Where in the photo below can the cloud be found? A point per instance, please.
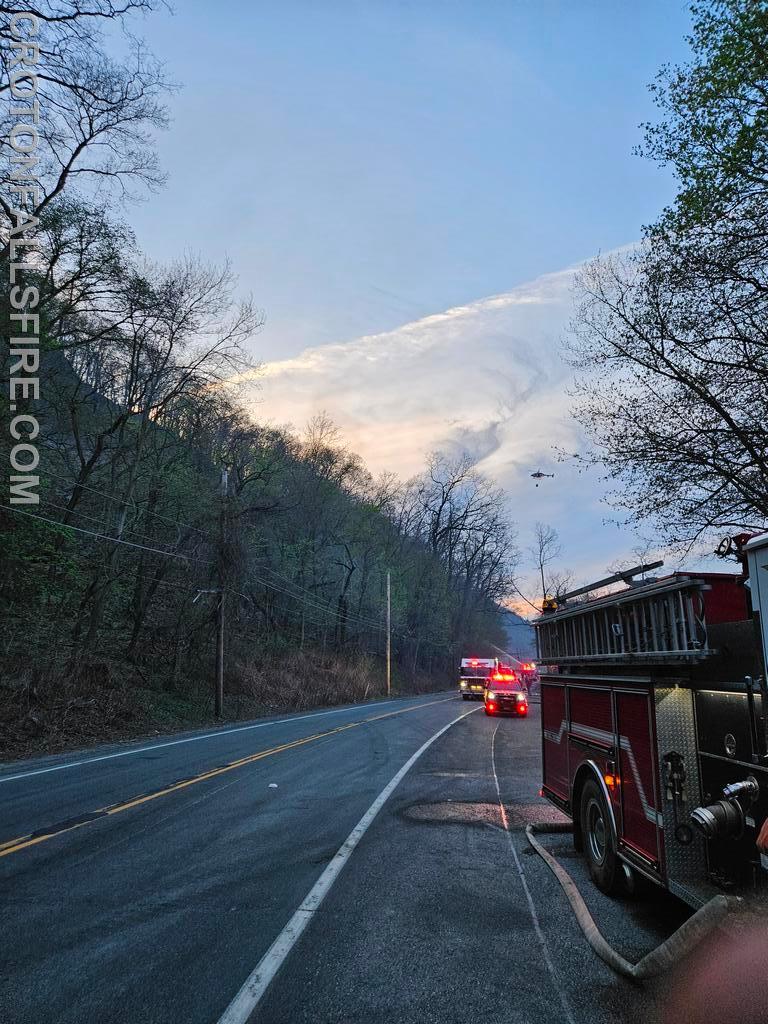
(466, 378)
(487, 378)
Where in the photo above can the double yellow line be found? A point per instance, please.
(33, 839)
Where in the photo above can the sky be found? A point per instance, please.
(405, 188)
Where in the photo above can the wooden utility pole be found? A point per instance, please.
(389, 634)
(219, 692)
(219, 696)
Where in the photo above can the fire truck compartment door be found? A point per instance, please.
(554, 739)
(637, 773)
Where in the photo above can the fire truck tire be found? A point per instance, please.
(599, 840)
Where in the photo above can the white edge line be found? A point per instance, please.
(258, 981)
(531, 905)
(196, 739)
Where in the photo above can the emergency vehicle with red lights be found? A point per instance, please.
(504, 694)
(474, 674)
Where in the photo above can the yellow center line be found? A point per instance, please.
(11, 842)
(24, 842)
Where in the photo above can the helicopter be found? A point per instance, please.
(538, 475)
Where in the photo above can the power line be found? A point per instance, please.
(63, 508)
(102, 536)
(363, 619)
(311, 600)
(318, 606)
(369, 623)
(93, 519)
(175, 554)
(358, 618)
(123, 501)
(313, 597)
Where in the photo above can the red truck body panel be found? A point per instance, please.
(726, 600)
(610, 725)
(554, 743)
(638, 782)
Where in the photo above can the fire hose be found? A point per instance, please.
(669, 953)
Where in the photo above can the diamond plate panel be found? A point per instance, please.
(676, 730)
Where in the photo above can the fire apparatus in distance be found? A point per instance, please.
(474, 676)
(654, 710)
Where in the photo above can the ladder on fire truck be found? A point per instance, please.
(661, 620)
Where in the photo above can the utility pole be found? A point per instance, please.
(219, 692)
(389, 634)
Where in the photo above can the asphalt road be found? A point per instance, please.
(146, 883)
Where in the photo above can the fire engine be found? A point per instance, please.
(474, 675)
(654, 712)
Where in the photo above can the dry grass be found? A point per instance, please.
(305, 679)
(44, 711)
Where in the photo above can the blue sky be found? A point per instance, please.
(367, 165)
(363, 163)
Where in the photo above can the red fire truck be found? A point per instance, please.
(654, 725)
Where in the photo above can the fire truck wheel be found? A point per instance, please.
(599, 840)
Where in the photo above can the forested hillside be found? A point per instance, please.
(112, 583)
(163, 506)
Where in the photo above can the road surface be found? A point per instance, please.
(149, 883)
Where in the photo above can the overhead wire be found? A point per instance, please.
(92, 519)
(123, 501)
(105, 537)
(311, 602)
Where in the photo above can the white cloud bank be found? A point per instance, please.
(488, 378)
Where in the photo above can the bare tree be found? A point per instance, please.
(640, 554)
(96, 116)
(324, 448)
(672, 389)
(545, 551)
(462, 519)
(169, 334)
(671, 341)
